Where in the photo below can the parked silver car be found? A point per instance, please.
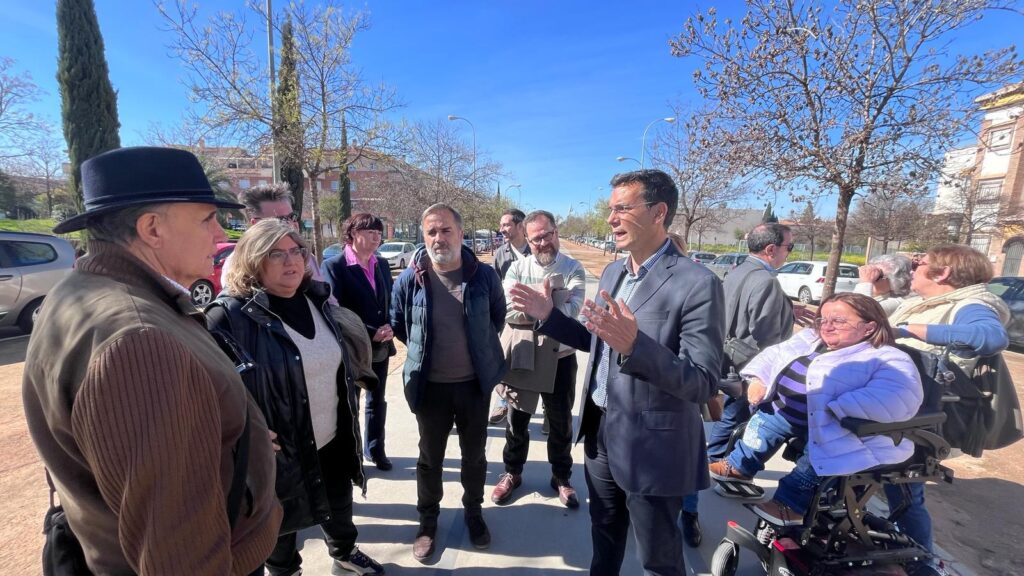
(724, 264)
(30, 264)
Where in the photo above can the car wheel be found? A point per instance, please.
(201, 292)
(27, 319)
(804, 295)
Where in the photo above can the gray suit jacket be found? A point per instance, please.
(756, 309)
(653, 428)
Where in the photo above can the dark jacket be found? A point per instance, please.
(505, 256)
(757, 311)
(352, 290)
(484, 303)
(279, 387)
(653, 430)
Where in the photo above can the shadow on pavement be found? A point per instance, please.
(13, 348)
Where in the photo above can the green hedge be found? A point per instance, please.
(38, 226)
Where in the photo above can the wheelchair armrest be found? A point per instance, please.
(862, 427)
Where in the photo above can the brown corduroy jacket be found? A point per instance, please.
(136, 413)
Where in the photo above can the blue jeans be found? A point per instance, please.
(735, 411)
(690, 502)
(797, 488)
(915, 521)
(764, 435)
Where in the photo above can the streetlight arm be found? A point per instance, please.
(643, 141)
(473, 128)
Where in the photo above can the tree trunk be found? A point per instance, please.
(314, 200)
(838, 235)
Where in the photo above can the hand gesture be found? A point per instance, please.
(615, 324)
(534, 303)
(756, 391)
(869, 273)
(383, 334)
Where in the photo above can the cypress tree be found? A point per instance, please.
(345, 183)
(769, 214)
(88, 101)
(287, 119)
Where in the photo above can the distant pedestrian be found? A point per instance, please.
(448, 308)
(135, 410)
(540, 367)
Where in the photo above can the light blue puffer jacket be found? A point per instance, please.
(879, 384)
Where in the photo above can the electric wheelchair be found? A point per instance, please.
(839, 535)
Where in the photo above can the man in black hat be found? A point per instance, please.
(141, 419)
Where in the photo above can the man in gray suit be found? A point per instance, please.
(758, 314)
(655, 337)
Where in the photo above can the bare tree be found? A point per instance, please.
(704, 168)
(337, 107)
(810, 227)
(17, 123)
(43, 158)
(888, 214)
(970, 206)
(833, 99)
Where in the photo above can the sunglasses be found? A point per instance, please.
(789, 247)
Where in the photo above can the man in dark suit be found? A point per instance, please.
(655, 340)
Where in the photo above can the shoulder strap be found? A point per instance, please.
(241, 472)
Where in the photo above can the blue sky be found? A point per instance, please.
(556, 90)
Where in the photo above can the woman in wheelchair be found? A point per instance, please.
(845, 367)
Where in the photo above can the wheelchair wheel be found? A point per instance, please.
(726, 559)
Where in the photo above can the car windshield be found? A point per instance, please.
(392, 247)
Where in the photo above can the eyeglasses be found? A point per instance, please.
(282, 256)
(789, 247)
(287, 218)
(623, 208)
(837, 323)
(543, 238)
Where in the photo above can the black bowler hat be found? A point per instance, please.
(140, 175)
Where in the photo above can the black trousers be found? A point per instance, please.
(339, 532)
(659, 539)
(376, 414)
(442, 405)
(558, 405)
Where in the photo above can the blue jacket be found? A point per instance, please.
(411, 309)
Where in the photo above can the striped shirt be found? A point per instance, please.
(791, 398)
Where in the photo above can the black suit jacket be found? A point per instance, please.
(654, 431)
(352, 290)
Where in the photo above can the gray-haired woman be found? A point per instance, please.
(885, 278)
(304, 382)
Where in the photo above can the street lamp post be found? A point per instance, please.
(643, 141)
(508, 190)
(454, 117)
(624, 158)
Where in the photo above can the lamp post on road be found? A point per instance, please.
(624, 158)
(454, 117)
(510, 187)
(643, 141)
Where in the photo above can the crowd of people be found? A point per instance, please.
(147, 412)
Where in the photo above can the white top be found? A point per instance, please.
(321, 360)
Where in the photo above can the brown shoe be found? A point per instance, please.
(566, 493)
(507, 482)
(423, 546)
(778, 513)
(722, 470)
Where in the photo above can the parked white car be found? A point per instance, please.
(805, 280)
(398, 254)
(30, 264)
